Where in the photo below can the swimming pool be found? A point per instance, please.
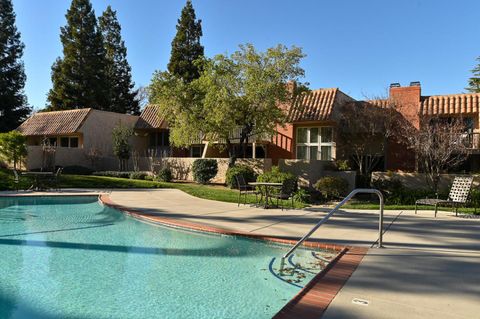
(72, 257)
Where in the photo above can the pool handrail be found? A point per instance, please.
(335, 209)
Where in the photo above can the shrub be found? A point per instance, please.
(276, 176)
(301, 196)
(164, 175)
(118, 174)
(204, 170)
(149, 178)
(342, 165)
(247, 172)
(137, 175)
(396, 194)
(77, 170)
(332, 187)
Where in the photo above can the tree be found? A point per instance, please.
(439, 144)
(474, 81)
(118, 71)
(186, 47)
(13, 147)
(79, 78)
(364, 130)
(121, 144)
(234, 99)
(13, 102)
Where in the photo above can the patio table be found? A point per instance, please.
(267, 186)
(37, 178)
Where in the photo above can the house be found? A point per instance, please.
(419, 109)
(75, 134)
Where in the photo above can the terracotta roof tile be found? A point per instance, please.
(54, 123)
(315, 105)
(151, 118)
(450, 104)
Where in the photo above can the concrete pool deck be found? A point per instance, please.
(430, 267)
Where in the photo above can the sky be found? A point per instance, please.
(358, 46)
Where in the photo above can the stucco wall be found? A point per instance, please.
(182, 167)
(98, 127)
(418, 181)
(309, 172)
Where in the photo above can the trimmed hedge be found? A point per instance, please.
(164, 175)
(138, 175)
(77, 170)
(113, 174)
(204, 170)
(332, 187)
(247, 172)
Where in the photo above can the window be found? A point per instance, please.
(315, 143)
(159, 139)
(196, 150)
(69, 142)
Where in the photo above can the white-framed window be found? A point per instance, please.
(315, 143)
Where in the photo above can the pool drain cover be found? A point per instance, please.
(361, 302)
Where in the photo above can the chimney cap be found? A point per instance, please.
(415, 83)
(395, 85)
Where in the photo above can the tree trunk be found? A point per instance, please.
(232, 156)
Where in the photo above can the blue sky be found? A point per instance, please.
(359, 46)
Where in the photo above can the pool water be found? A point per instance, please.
(72, 257)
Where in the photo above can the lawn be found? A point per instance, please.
(212, 192)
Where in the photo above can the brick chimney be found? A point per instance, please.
(407, 101)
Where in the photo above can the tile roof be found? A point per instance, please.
(54, 123)
(450, 104)
(314, 105)
(151, 118)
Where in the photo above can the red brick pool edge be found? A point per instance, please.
(315, 297)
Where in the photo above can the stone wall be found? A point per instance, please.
(309, 172)
(418, 180)
(182, 167)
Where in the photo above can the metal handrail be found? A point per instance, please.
(346, 199)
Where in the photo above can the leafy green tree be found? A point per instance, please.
(79, 78)
(186, 47)
(118, 71)
(121, 144)
(242, 93)
(13, 102)
(13, 147)
(474, 81)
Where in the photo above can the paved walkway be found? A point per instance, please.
(429, 268)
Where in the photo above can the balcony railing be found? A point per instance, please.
(471, 140)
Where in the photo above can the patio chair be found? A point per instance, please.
(245, 189)
(289, 187)
(54, 181)
(459, 195)
(16, 179)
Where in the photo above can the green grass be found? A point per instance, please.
(219, 193)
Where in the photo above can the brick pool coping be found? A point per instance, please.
(315, 297)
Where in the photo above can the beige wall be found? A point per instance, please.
(98, 127)
(309, 172)
(418, 181)
(181, 167)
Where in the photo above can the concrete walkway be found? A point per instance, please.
(429, 268)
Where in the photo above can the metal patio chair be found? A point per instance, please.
(245, 189)
(289, 188)
(459, 195)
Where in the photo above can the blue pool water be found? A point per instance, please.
(72, 257)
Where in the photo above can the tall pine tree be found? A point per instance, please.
(186, 47)
(79, 78)
(13, 102)
(474, 81)
(118, 71)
